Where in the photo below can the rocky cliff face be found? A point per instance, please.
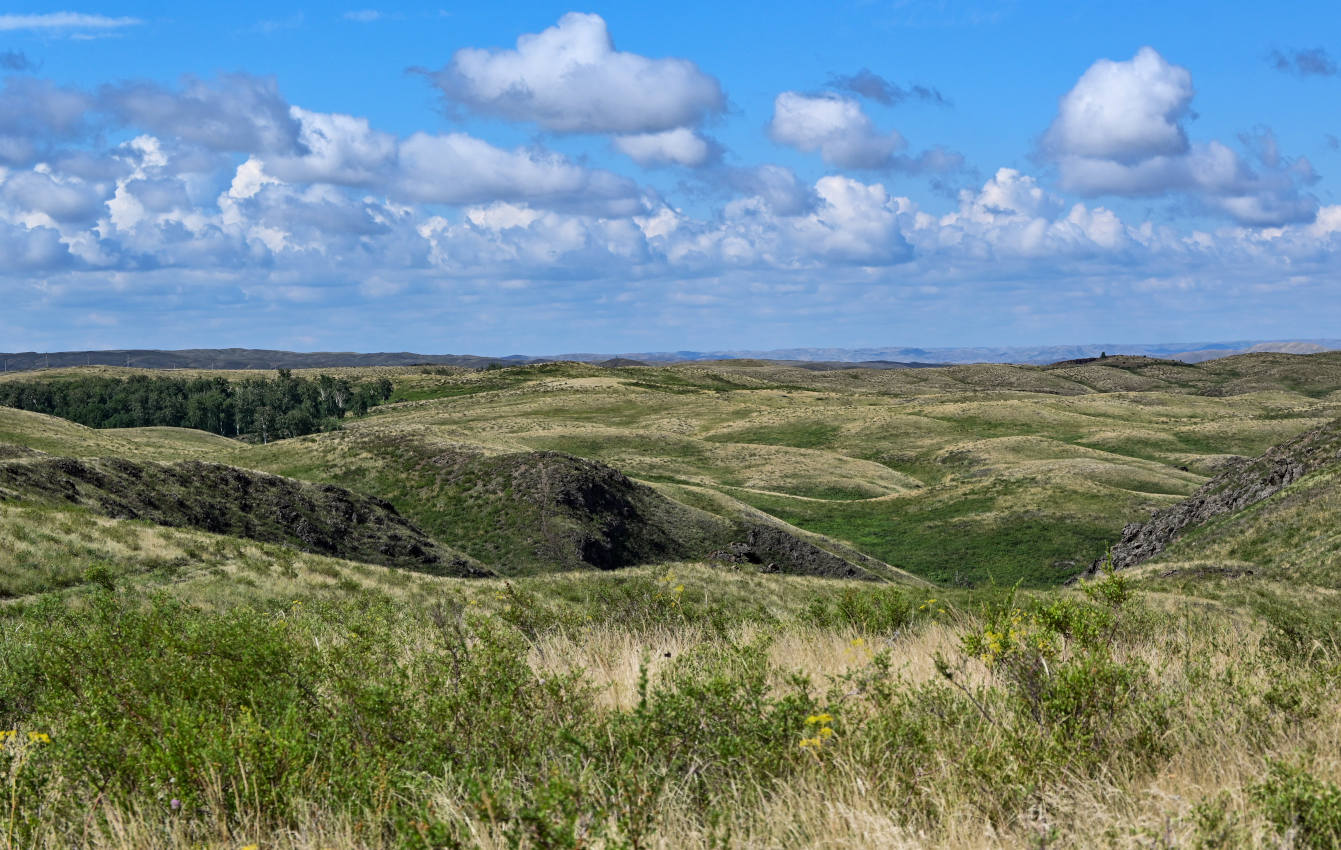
(1242, 484)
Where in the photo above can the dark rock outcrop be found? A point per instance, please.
(1238, 486)
(541, 511)
(608, 520)
(775, 550)
(212, 497)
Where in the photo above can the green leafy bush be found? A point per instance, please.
(1300, 805)
(879, 610)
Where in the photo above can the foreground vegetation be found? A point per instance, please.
(661, 709)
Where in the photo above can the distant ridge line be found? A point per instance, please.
(810, 358)
(241, 358)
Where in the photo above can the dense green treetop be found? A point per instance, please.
(268, 409)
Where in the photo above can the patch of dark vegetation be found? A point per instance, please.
(258, 408)
(9, 451)
(1239, 486)
(220, 499)
(1206, 572)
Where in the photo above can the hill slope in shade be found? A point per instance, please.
(221, 499)
(536, 511)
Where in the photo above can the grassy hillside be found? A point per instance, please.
(1030, 483)
(241, 503)
(1029, 471)
(1264, 547)
(60, 437)
(1292, 536)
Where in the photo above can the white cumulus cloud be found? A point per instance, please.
(571, 79)
(1124, 111)
(1120, 131)
(681, 146)
(833, 126)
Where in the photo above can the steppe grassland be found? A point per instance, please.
(892, 462)
(1030, 471)
(1162, 732)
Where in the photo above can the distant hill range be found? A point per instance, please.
(244, 358)
(808, 358)
(1189, 352)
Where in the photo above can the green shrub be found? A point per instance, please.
(248, 711)
(1217, 828)
(1299, 804)
(879, 610)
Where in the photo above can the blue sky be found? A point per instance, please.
(622, 177)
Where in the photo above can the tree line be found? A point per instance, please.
(258, 408)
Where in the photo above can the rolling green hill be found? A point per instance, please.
(958, 474)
